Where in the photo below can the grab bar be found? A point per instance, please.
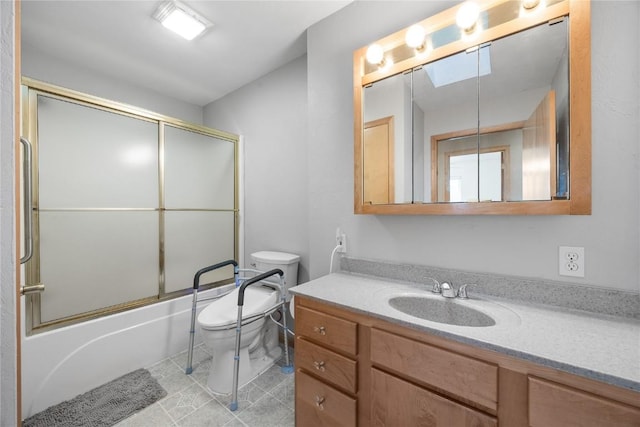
(236, 359)
(196, 286)
(196, 278)
(27, 206)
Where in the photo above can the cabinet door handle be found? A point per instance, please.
(320, 402)
(319, 365)
(320, 329)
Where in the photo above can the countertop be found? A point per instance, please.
(601, 347)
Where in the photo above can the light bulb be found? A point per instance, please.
(468, 15)
(530, 4)
(375, 54)
(415, 37)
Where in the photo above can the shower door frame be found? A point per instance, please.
(30, 90)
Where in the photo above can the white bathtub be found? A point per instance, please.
(58, 365)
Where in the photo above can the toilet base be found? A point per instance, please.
(220, 379)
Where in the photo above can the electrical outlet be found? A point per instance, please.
(571, 261)
(341, 241)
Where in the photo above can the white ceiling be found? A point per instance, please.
(121, 39)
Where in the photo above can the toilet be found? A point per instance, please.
(259, 346)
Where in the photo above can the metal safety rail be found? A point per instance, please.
(196, 286)
(288, 368)
(238, 281)
(242, 283)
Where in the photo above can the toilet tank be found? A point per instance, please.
(288, 263)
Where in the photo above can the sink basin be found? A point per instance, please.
(441, 310)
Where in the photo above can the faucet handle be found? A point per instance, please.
(462, 292)
(436, 286)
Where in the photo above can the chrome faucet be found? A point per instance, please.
(448, 290)
(462, 292)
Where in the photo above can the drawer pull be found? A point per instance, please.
(320, 402)
(319, 365)
(320, 329)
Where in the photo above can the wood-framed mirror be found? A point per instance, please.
(494, 119)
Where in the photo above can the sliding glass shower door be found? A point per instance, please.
(127, 207)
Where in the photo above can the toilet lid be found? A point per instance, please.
(224, 311)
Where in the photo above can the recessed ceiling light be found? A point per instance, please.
(181, 19)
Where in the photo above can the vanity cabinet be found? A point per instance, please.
(326, 369)
(357, 370)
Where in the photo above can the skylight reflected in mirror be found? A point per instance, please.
(459, 67)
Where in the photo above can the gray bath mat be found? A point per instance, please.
(102, 406)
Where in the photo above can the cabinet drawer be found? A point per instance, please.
(330, 331)
(395, 402)
(319, 404)
(331, 367)
(555, 405)
(461, 376)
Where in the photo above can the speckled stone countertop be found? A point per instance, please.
(601, 347)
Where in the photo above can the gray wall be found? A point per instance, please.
(524, 246)
(271, 115)
(38, 65)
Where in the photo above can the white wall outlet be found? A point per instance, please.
(341, 241)
(571, 261)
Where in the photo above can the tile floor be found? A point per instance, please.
(266, 401)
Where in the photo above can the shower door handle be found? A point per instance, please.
(31, 289)
(27, 206)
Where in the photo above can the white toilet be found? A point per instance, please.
(259, 346)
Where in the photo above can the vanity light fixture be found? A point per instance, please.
(416, 37)
(467, 16)
(181, 19)
(375, 55)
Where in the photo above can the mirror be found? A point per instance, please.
(481, 128)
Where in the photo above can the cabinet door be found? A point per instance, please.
(554, 405)
(462, 377)
(395, 402)
(320, 405)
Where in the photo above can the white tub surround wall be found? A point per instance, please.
(63, 363)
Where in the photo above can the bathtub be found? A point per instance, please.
(61, 364)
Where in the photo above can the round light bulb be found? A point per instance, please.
(375, 54)
(468, 15)
(530, 4)
(415, 37)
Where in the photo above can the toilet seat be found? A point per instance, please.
(219, 315)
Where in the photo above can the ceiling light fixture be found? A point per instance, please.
(181, 19)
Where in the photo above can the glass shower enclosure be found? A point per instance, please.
(127, 205)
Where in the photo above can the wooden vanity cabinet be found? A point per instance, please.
(357, 370)
(326, 369)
